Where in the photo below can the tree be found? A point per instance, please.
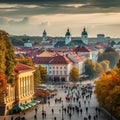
(89, 68)
(43, 74)
(7, 57)
(107, 90)
(74, 74)
(37, 77)
(111, 55)
(105, 65)
(3, 87)
(118, 64)
(98, 69)
(26, 61)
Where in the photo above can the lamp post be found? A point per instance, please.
(62, 111)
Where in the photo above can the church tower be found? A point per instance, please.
(67, 37)
(84, 36)
(44, 36)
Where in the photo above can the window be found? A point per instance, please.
(56, 67)
(65, 72)
(53, 72)
(60, 72)
(60, 67)
(49, 72)
(64, 67)
(53, 67)
(49, 67)
(57, 72)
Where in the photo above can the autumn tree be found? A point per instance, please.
(7, 57)
(74, 74)
(37, 77)
(26, 61)
(43, 74)
(107, 90)
(105, 65)
(3, 86)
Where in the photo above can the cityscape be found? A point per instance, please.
(59, 60)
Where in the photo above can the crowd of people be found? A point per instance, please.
(77, 100)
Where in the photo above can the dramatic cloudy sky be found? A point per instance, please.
(31, 18)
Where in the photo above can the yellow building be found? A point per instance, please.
(22, 92)
(24, 85)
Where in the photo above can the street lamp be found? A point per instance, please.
(62, 111)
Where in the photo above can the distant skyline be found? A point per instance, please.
(55, 16)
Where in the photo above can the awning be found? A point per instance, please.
(21, 107)
(18, 108)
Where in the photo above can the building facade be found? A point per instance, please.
(20, 93)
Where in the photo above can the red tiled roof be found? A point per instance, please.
(52, 60)
(60, 60)
(81, 49)
(21, 67)
(42, 60)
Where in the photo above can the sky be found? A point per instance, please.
(19, 17)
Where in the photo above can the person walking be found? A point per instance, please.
(35, 117)
(52, 111)
(89, 117)
(11, 117)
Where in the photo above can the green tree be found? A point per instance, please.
(43, 74)
(74, 74)
(111, 55)
(90, 68)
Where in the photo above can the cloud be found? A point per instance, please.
(3, 21)
(18, 22)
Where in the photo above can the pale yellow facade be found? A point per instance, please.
(24, 87)
(22, 92)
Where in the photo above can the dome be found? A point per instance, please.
(84, 32)
(44, 33)
(67, 33)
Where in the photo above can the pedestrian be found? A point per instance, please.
(94, 117)
(70, 115)
(84, 102)
(48, 102)
(55, 118)
(36, 110)
(96, 109)
(35, 117)
(99, 110)
(11, 117)
(89, 117)
(52, 111)
(86, 109)
(81, 111)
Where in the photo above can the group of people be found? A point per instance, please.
(78, 102)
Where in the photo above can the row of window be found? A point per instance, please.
(57, 67)
(58, 72)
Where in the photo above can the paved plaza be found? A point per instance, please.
(90, 103)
